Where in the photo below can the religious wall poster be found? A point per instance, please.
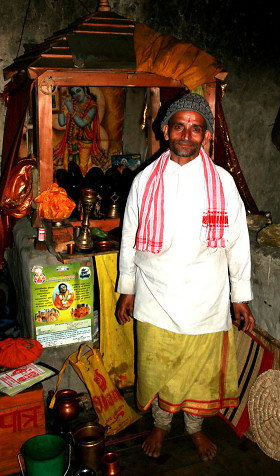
(62, 303)
(87, 126)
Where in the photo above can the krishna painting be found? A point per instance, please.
(87, 129)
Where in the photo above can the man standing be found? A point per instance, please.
(184, 254)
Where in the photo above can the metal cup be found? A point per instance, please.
(111, 464)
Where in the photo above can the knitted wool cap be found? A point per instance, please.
(191, 102)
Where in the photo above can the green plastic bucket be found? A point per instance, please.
(44, 456)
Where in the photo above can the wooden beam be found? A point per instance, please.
(45, 140)
(153, 101)
(210, 95)
(77, 77)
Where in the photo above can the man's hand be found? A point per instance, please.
(125, 308)
(242, 313)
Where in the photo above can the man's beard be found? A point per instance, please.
(182, 151)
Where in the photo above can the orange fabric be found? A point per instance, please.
(172, 58)
(17, 352)
(16, 200)
(54, 203)
(18, 194)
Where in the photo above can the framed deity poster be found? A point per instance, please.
(87, 126)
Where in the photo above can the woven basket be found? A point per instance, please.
(264, 412)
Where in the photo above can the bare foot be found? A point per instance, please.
(206, 448)
(153, 443)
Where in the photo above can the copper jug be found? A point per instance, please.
(66, 405)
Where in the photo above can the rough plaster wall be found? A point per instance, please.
(265, 283)
(251, 103)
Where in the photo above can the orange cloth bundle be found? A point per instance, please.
(55, 203)
(17, 352)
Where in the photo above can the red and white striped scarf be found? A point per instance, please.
(151, 220)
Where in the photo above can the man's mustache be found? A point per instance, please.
(183, 142)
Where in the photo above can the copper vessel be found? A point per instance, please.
(66, 405)
(110, 464)
(89, 440)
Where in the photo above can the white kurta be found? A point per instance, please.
(186, 287)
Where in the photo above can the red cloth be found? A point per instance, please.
(151, 221)
(215, 218)
(19, 96)
(17, 352)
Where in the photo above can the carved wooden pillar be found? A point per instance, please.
(153, 101)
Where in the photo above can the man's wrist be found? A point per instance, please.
(240, 302)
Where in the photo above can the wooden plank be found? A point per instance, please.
(210, 95)
(21, 417)
(105, 224)
(72, 77)
(153, 100)
(45, 140)
(66, 258)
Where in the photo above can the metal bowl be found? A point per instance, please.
(104, 245)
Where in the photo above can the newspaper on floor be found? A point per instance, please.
(16, 380)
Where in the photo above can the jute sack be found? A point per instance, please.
(111, 408)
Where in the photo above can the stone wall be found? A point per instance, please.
(265, 283)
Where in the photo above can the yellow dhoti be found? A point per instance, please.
(193, 373)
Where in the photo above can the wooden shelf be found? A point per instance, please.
(66, 258)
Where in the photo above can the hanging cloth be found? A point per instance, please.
(116, 341)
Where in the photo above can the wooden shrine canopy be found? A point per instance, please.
(106, 42)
